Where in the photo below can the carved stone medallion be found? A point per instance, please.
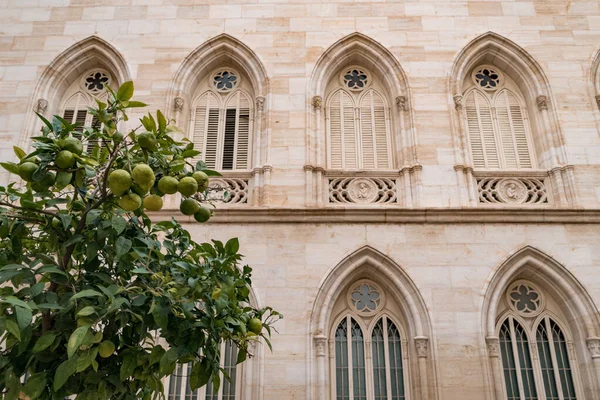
(512, 191)
(362, 191)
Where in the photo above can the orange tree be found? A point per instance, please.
(96, 300)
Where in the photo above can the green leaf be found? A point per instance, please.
(10, 167)
(232, 246)
(128, 366)
(35, 385)
(133, 104)
(44, 342)
(85, 311)
(19, 152)
(118, 223)
(125, 92)
(86, 293)
(92, 216)
(241, 357)
(24, 317)
(200, 374)
(63, 372)
(15, 302)
(123, 245)
(13, 328)
(162, 121)
(167, 361)
(190, 153)
(44, 120)
(159, 312)
(76, 340)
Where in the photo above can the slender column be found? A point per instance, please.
(319, 186)
(463, 152)
(593, 345)
(320, 352)
(416, 186)
(556, 175)
(267, 169)
(308, 187)
(421, 345)
(471, 186)
(493, 348)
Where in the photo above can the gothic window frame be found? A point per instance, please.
(181, 390)
(500, 143)
(224, 97)
(530, 325)
(367, 323)
(338, 88)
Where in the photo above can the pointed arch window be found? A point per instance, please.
(535, 357)
(179, 384)
(498, 129)
(222, 123)
(358, 126)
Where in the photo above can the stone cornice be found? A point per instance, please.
(380, 214)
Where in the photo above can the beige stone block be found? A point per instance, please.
(258, 11)
(161, 12)
(79, 28)
(405, 24)
(522, 8)
(306, 24)
(504, 25)
(137, 27)
(291, 10)
(551, 7)
(538, 23)
(372, 24)
(58, 43)
(340, 24)
(419, 9)
(225, 11)
(557, 37)
(37, 14)
(273, 25)
(438, 23)
(29, 43)
(457, 8)
(354, 10)
(321, 10)
(98, 13)
(240, 25)
(485, 8)
(131, 12)
(16, 29)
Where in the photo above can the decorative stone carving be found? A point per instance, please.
(493, 346)
(355, 79)
(362, 190)
(421, 346)
(542, 102)
(593, 345)
(365, 298)
(458, 102)
(525, 298)
(260, 103)
(598, 100)
(488, 78)
(320, 344)
(42, 106)
(402, 103)
(228, 190)
(96, 81)
(178, 104)
(512, 190)
(317, 101)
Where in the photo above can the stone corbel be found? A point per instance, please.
(421, 345)
(542, 102)
(42, 106)
(317, 102)
(260, 103)
(178, 104)
(402, 103)
(598, 100)
(493, 346)
(458, 102)
(593, 345)
(320, 345)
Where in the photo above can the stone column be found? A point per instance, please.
(464, 151)
(320, 352)
(493, 349)
(593, 345)
(421, 345)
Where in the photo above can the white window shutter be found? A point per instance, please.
(334, 111)
(75, 110)
(237, 132)
(484, 148)
(206, 128)
(511, 129)
(349, 136)
(374, 132)
(342, 132)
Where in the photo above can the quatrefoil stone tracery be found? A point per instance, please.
(487, 78)
(365, 298)
(525, 299)
(96, 81)
(355, 79)
(225, 80)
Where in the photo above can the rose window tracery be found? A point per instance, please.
(355, 79)
(525, 299)
(365, 298)
(225, 80)
(487, 78)
(96, 81)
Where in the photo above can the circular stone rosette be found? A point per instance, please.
(525, 298)
(512, 191)
(365, 298)
(362, 190)
(488, 78)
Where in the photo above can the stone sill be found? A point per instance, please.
(383, 214)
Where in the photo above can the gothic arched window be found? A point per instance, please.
(178, 386)
(498, 129)
(534, 349)
(358, 126)
(221, 121)
(368, 349)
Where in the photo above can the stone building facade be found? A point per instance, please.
(415, 183)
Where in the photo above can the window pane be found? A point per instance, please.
(341, 361)
(395, 355)
(175, 383)
(543, 345)
(525, 362)
(230, 368)
(379, 382)
(508, 362)
(229, 139)
(358, 362)
(562, 361)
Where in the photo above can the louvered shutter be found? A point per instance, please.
(374, 132)
(342, 132)
(484, 149)
(237, 132)
(206, 128)
(511, 129)
(75, 110)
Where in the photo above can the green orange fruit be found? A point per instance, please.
(189, 207)
(187, 186)
(119, 181)
(202, 180)
(143, 176)
(202, 215)
(64, 159)
(168, 185)
(147, 140)
(26, 171)
(106, 349)
(153, 203)
(130, 202)
(72, 144)
(255, 325)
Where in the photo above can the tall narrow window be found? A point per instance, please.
(221, 123)
(358, 128)
(516, 361)
(497, 127)
(179, 386)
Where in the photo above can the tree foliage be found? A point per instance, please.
(101, 302)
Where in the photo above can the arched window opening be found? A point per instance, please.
(221, 123)
(498, 129)
(179, 384)
(358, 126)
(534, 350)
(368, 349)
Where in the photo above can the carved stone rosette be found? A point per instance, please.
(512, 190)
(493, 346)
(421, 344)
(593, 345)
(362, 190)
(320, 345)
(178, 104)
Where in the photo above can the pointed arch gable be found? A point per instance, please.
(537, 266)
